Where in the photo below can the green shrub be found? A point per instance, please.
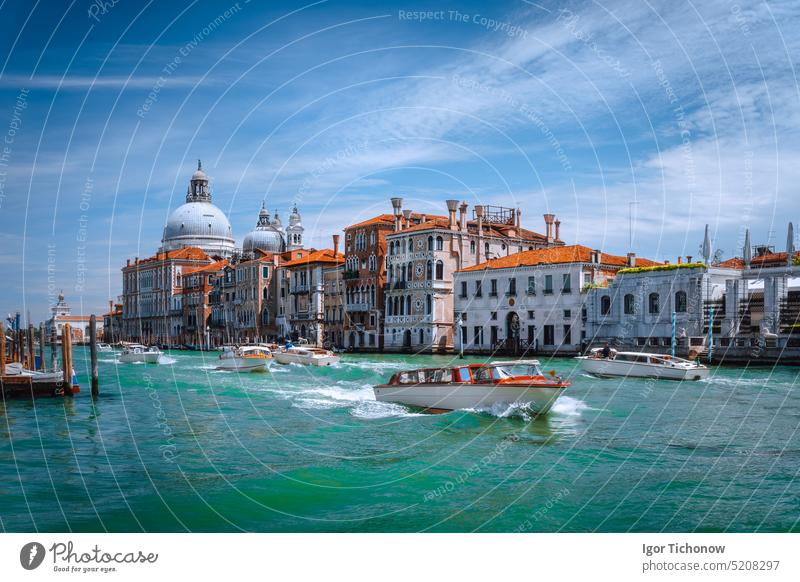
(670, 267)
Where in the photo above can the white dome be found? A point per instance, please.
(266, 235)
(199, 224)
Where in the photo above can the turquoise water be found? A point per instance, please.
(185, 447)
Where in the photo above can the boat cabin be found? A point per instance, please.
(492, 373)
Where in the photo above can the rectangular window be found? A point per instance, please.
(494, 315)
(462, 374)
(567, 314)
(531, 335)
(566, 283)
(567, 334)
(477, 337)
(478, 290)
(549, 335)
(587, 278)
(531, 314)
(512, 287)
(548, 284)
(494, 334)
(265, 271)
(531, 285)
(493, 288)
(463, 290)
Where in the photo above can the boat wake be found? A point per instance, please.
(568, 406)
(358, 399)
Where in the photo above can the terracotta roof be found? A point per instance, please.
(381, 218)
(759, 261)
(188, 253)
(73, 317)
(733, 263)
(215, 266)
(554, 255)
(321, 256)
(490, 229)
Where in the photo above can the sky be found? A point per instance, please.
(636, 123)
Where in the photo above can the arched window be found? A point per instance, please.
(652, 303)
(630, 304)
(430, 243)
(409, 268)
(680, 302)
(439, 243)
(428, 304)
(472, 246)
(429, 270)
(439, 270)
(605, 305)
(388, 306)
(391, 273)
(402, 307)
(408, 304)
(486, 249)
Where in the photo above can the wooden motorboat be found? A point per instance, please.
(245, 359)
(306, 355)
(133, 353)
(478, 386)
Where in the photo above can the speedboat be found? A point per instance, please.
(518, 382)
(641, 365)
(104, 348)
(306, 355)
(245, 359)
(133, 353)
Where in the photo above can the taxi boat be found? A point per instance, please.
(641, 365)
(245, 359)
(306, 355)
(134, 353)
(518, 382)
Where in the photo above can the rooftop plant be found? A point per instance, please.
(670, 267)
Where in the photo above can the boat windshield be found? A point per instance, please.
(521, 369)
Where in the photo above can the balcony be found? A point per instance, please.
(350, 275)
(299, 288)
(357, 307)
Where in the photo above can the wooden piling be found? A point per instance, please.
(31, 351)
(42, 365)
(93, 354)
(66, 358)
(21, 346)
(2, 350)
(53, 344)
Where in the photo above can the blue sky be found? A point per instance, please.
(690, 110)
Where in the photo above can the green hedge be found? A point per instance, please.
(670, 267)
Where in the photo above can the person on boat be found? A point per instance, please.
(289, 344)
(606, 352)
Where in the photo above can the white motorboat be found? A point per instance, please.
(133, 353)
(641, 365)
(104, 348)
(306, 355)
(16, 369)
(475, 386)
(245, 359)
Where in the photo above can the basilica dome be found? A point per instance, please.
(267, 235)
(198, 222)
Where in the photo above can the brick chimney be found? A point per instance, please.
(548, 221)
(335, 245)
(407, 217)
(479, 215)
(680, 260)
(397, 208)
(452, 206)
(631, 259)
(462, 217)
(558, 230)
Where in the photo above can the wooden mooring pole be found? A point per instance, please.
(53, 344)
(31, 351)
(93, 353)
(2, 350)
(66, 358)
(41, 347)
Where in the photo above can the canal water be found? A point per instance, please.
(183, 447)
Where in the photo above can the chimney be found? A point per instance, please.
(128, 263)
(407, 216)
(688, 258)
(462, 219)
(423, 218)
(519, 221)
(558, 230)
(452, 206)
(631, 259)
(548, 221)
(666, 262)
(680, 260)
(479, 249)
(597, 256)
(397, 207)
(335, 245)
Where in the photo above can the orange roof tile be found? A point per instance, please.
(321, 256)
(555, 255)
(381, 218)
(215, 266)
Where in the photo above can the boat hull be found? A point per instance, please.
(458, 396)
(245, 365)
(288, 358)
(147, 358)
(623, 369)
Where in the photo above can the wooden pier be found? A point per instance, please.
(21, 351)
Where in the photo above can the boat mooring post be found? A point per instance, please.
(2, 350)
(53, 343)
(66, 358)
(41, 346)
(93, 353)
(31, 351)
(711, 334)
(674, 340)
